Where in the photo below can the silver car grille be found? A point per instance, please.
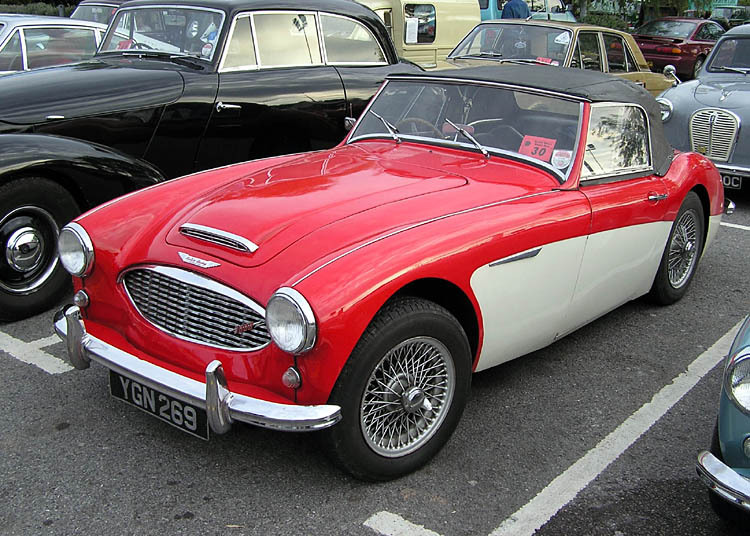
(195, 308)
(713, 132)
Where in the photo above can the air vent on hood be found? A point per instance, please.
(219, 237)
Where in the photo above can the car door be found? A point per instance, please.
(621, 62)
(628, 231)
(11, 54)
(587, 52)
(275, 94)
(705, 37)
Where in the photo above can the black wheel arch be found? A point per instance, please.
(92, 173)
(702, 194)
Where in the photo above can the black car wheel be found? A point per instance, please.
(682, 253)
(401, 392)
(32, 211)
(723, 508)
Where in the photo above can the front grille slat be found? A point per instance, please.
(713, 132)
(189, 311)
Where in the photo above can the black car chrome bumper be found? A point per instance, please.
(723, 481)
(222, 406)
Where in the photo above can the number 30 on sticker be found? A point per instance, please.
(537, 147)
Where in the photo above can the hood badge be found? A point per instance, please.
(195, 261)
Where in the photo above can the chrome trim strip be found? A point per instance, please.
(414, 226)
(204, 233)
(732, 147)
(723, 480)
(222, 405)
(517, 257)
(729, 168)
(301, 303)
(192, 278)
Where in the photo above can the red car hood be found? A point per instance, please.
(279, 206)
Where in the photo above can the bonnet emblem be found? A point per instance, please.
(196, 261)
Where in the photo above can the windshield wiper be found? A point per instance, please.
(187, 60)
(468, 136)
(486, 54)
(741, 70)
(391, 129)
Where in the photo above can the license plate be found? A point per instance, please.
(182, 415)
(733, 182)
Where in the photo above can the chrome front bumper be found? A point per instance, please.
(723, 481)
(222, 406)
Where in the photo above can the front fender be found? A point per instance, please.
(92, 173)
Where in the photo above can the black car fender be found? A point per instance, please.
(92, 173)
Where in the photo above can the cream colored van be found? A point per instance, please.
(425, 31)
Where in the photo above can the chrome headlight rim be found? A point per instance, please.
(740, 357)
(87, 249)
(306, 317)
(665, 108)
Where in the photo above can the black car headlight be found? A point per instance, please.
(737, 379)
(76, 250)
(666, 108)
(290, 321)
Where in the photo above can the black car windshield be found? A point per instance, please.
(173, 30)
(731, 55)
(667, 28)
(515, 42)
(480, 118)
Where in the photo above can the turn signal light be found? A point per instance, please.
(669, 50)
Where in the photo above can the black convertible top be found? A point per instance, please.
(586, 85)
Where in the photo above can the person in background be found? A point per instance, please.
(515, 9)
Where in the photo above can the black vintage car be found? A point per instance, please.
(174, 88)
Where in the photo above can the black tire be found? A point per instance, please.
(32, 211)
(681, 254)
(418, 333)
(724, 509)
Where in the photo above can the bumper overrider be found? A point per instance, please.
(222, 406)
(723, 481)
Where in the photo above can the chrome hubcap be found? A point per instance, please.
(24, 249)
(407, 396)
(683, 250)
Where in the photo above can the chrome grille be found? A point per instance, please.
(197, 309)
(713, 132)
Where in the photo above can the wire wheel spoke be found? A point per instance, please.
(683, 250)
(407, 396)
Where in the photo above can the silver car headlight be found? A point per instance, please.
(290, 321)
(76, 250)
(737, 379)
(665, 107)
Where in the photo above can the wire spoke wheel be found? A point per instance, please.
(407, 396)
(683, 250)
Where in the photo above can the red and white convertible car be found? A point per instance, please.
(469, 218)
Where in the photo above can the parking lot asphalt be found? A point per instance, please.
(556, 442)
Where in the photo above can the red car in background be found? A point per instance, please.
(680, 41)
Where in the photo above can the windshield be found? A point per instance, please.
(94, 13)
(499, 120)
(515, 41)
(730, 55)
(722, 12)
(667, 28)
(174, 30)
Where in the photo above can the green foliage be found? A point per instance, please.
(743, 2)
(34, 7)
(607, 20)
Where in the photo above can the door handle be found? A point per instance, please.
(220, 106)
(656, 197)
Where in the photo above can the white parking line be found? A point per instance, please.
(736, 226)
(563, 489)
(31, 353)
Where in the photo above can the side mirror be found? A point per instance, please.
(349, 123)
(671, 72)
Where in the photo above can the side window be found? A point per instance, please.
(419, 23)
(703, 34)
(619, 57)
(240, 52)
(616, 143)
(54, 46)
(715, 31)
(287, 39)
(11, 58)
(347, 41)
(484, 4)
(590, 55)
(536, 6)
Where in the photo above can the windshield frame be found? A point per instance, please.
(559, 175)
(112, 30)
(710, 65)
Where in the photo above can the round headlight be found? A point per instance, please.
(291, 321)
(738, 380)
(76, 250)
(665, 107)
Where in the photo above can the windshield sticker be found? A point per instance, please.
(563, 38)
(548, 61)
(520, 44)
(537, 147)
(561, 159)
(206, 50)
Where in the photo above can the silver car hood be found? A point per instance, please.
(729, 94)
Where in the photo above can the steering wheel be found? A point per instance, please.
(417, 122)
(504, 136)
(141, 46)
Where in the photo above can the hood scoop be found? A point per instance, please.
(218, 237)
